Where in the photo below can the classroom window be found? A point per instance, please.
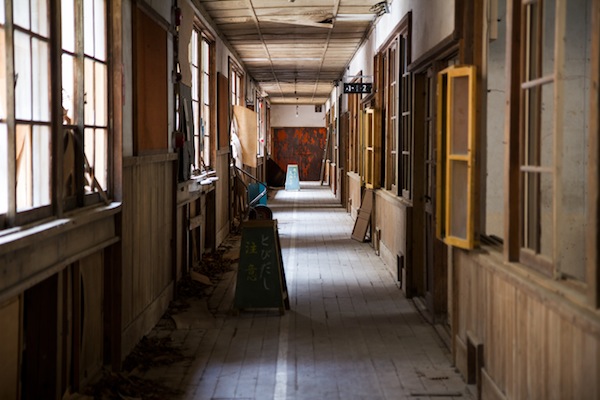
(390, 113)
(456, 156)
(372, 150)
(554, 134)
(85, 96)
(202, 66)
(236, 81)
(406, 133)
(27, 140)
(25, 135)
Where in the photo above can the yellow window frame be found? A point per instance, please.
(372, 148)
(455, 220)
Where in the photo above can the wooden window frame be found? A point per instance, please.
(236, 84)
(58, 127)
(396, 108)
(405, 127)
(205, 142)
(518, 83)
(447, 159)
(529, 76)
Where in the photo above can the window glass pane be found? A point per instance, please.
(23, 76)
(576, 91)
(546, 207)
(196, 135)
(193, 48)
(205, 89)
(460, 116)
(21, 13)
(206, 134)
(546, 145)
(89, 96)
(100, 30)
(68, 89)
(41, 81)
(2, 15)
(41, 165)
(195, 84)
(68, 25)
(3, 169)
(95, 149)
(2, 76)
(88, 149)
(101, 157)
(196, 113)
(101, 100)
(24, 173)
(39, 17)
(459, 212)
(548, 37)
(205, 56)
(88, 27)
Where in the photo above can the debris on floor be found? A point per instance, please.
(151, 352)
(128, 387)
(158, 349)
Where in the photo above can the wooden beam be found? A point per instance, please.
(512, 130)
(116, 98)
(593, 244)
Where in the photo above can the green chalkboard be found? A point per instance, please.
(261, 278)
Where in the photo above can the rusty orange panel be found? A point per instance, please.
(302, 146)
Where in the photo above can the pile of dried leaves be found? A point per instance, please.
(199, 282)
(158, 351)
(152, 352)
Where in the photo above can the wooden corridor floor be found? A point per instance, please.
(350, 333)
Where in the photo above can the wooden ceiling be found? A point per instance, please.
(294, 49)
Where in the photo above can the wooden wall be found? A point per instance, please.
(148, 227)
(9, 348)
(536, 343)
(354, 194)
(222, 197)
(389, 227)
(92, 328)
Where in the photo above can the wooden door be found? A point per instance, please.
(434, 272)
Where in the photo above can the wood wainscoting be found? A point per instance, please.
(149, 190)
(538, 340)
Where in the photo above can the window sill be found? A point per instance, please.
(540, 286)
(16, 238)
(393, 197)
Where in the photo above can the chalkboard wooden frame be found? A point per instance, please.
(260, 279)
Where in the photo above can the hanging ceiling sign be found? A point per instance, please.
(358, 87)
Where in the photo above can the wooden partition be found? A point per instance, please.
(148, 228)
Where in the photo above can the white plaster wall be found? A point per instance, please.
(128, 80)
(496, 143)
(162, 7)
(573, 218)
(432, 21)
(285, 116)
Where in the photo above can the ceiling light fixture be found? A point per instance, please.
(354, 17)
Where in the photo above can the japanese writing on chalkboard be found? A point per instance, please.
(262, 272)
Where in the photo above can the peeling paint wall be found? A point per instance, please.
(302, 146)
